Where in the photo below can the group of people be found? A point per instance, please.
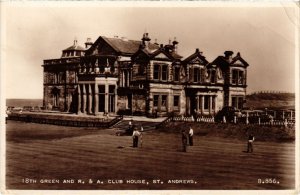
(187, 138)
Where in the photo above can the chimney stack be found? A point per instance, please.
(75, 42)
(88, 43)
(175, 43)
(228, 55)
(146, 40)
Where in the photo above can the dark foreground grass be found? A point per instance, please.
(81, 154)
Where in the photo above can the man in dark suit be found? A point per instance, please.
(184, 140)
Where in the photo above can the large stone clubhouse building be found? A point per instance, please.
(121, 76)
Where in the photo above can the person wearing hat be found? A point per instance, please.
(135, 137)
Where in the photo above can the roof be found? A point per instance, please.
(152, 53)
(127, 46)
(75, 47)
(223, 60)
(195, 55)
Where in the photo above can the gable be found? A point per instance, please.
(140, 55)
(101, 47)
(104, 49)
(197, 60)
(160, 55)
(239, 63)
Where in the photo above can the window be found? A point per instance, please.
(234, 76)
(101, 97)
(237, 102)
(111, 98)
(240, 102)
(141, 69)
(163, 100)
(212, 76)
(111, 89)
(176, 101)
(196, 74)
(101, 88)
(241, 77)
(156, 72)
(206, 102)
(155, 100)
(164, 73)
(234, 102)
(237, 77)
(160, 72)
(176, 73)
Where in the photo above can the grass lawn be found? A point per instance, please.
(43, 156)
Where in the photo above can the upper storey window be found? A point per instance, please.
(213, 76)
(176, 73)
(160, 72)
(156, 72)
(196, 76)
(164, 72)
(238, 77)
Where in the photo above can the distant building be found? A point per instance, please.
(117, 75)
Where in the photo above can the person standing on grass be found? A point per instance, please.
(135, 137)
(191, 134)
(184, 140)
(130, 124)
(250, 143)
(141, 136)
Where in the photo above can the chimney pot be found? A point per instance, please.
(228, 53)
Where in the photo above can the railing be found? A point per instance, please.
(65, 120)
(241, 120)
(115, 120)
(164, 122)
(207, 119)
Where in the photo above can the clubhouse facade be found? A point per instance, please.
(139, 77)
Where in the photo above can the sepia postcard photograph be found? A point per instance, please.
(149, 97)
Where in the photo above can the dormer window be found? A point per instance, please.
(160, 72)
(213, 76)
(196, 75)
(156, 72)
(237, 77)
(164, 72)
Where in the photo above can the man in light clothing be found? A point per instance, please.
(191, 133)
(135, 137)
(250, 143)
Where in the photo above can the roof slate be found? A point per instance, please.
(126, 46)
(74, 47)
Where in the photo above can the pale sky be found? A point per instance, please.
(265, 37)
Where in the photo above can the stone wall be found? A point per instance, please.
(138, 104)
